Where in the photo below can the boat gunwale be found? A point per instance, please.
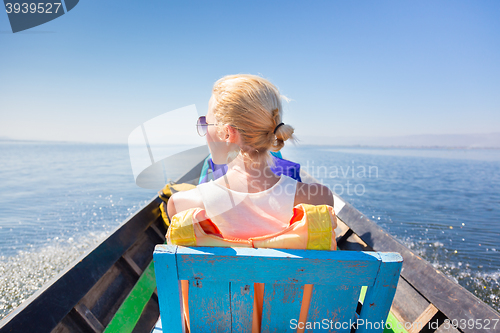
(48, 306)
(459, 302)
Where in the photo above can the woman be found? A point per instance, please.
(243, 124)
(250, 205)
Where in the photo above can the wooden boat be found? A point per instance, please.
(107, 289)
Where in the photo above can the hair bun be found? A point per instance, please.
(276, 128)
(282, 133)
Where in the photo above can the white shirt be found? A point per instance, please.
(245, 215)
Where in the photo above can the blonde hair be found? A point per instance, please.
(252, 105)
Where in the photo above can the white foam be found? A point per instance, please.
(23, 274)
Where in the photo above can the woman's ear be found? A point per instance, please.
(231, 135)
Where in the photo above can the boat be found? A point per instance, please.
(110, 288)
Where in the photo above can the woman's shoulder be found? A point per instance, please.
(184, 200)
(313, 194)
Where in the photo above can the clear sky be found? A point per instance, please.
(352, 68)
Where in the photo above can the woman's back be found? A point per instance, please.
(245, 215)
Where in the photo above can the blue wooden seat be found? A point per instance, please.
(221, 288)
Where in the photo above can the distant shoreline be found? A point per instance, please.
(399, 147)
(4, 140)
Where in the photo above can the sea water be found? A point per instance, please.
(444, 204)
(59, 200)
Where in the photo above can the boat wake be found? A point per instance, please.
(25, 273)
(482, 282)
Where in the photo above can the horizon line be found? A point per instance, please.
(289, 145)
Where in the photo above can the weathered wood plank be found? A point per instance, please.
(91, 298)
(453, 300)
(281, 305)
(423, 319)
(131, 263)
(246, 265)
(242, 295)
(71, 323)
(88, 317)
(448, 328)
(320, 308)
(142, 250)
(209, 306)
(158, 232)
(111, 299)
(61, 328)
(408, 304)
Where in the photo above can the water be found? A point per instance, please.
(444, 204)
(58, 201)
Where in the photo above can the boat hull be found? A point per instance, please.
(88, 294)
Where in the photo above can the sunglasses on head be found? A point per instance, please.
(201, 125)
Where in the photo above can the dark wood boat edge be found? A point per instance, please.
(47, 304)
(453, 300)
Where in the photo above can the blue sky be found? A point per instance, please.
(351, 68)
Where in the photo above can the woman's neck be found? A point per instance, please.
(244, 175)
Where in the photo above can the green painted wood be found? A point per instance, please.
(362, 294)
(131, 309)
(332, 319)
(242, 295)
(393, 325)
(281, 305)
(209, 306)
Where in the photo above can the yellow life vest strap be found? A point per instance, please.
(164, 215)
(166, 193)
(319, 227)
(181, 231)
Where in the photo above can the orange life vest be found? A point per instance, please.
(311, 227)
